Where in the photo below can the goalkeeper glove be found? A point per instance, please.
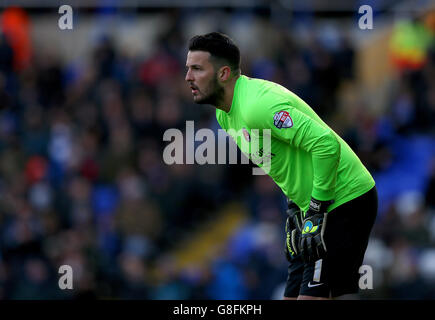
(312, 245)
(292, 230)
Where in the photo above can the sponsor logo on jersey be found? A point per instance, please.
(260, 156)
(282, 119)
(246, 135)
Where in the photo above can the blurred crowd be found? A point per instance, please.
(83, 182)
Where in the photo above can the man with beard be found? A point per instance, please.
(332, 198)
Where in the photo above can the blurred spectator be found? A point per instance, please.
(15, 24)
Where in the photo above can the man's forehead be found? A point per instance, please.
(195, 57)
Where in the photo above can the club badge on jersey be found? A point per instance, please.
(282, 119)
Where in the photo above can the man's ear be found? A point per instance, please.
(224, 73)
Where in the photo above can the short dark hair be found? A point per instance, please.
(219, 46)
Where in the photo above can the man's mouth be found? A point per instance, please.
(194, 90)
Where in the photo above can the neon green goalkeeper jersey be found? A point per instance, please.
(303, 155)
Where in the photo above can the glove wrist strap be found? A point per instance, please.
(318, 206)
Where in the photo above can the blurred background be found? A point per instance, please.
(82, 117)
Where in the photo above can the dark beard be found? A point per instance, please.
(215, 97)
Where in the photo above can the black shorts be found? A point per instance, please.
(346, 237)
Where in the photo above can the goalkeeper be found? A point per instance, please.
(333, 197)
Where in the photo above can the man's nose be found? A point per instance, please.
(188, 76)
